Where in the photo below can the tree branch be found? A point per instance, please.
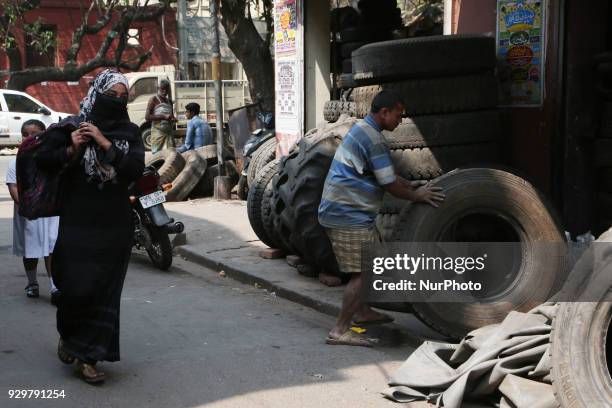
(77, 36)
(71, 71)
(14, 55)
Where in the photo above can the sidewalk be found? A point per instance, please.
(220, 237)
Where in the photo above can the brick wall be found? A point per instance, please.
(66, 16)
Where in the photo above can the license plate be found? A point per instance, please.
(152, 199)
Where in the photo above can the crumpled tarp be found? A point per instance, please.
(505, 364)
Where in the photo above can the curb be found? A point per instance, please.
(243, 276)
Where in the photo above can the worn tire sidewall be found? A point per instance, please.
(479, 189)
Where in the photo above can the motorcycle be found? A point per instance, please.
(152, 225)
(258, 137)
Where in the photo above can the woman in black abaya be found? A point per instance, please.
(99, 159)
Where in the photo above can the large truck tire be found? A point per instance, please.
(581, 354)
(297, 194)
(489, 205)
(345, 81)
(188, 178)
(169, 163)
(146, 137)
(262, 156)
(427, 163)
(366, 33)
(435, 95)
(386, 222)
(343, 17)
(206, 186)
(255, 203)
(267, 213)
(446, 130)
(333, 109)
(581, 335)
(420, 57)
(347, 66)
(347, 49)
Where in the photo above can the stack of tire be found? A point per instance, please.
(191, 173)
(450, 93)
(603, 145)
(285, 194)
(374, 22)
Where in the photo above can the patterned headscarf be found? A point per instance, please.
(96, 169)
(104, 81)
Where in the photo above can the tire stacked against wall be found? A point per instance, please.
(603, 145)
(281, 204)
(191, 173)
(450, 93)
(296, 194)
(375, 21)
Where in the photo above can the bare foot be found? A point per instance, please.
(370, 316)
(348, 338)
(329, 280)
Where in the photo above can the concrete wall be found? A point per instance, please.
(317, 81)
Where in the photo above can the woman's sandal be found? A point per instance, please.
(63, 355)
(89, 374)
(32, 290)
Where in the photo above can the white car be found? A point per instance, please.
(17, 107)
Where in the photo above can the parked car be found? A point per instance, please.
(17, 107)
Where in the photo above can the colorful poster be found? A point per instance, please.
(520, 51)
(289, 73)
(285, 25)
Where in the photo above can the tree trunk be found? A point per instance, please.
(252, 51)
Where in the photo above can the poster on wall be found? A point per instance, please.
(289, 73)
(285, 26)
(521, 51)
(287, 93)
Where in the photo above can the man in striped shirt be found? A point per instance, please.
(360, 174)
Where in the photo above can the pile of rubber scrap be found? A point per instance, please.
(450, 89)
(451, 127)
(556, 355)
(191, 173)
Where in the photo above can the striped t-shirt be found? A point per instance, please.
(353, 189)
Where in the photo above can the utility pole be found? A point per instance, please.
(222, 183)
(182, 31)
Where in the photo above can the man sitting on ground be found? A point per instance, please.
(360, 174)
(198, 131)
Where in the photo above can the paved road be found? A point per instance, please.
(191, 342)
